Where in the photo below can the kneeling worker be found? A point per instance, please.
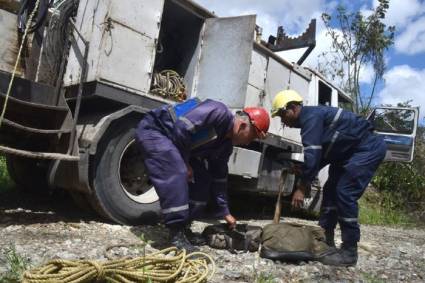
(345, 141)
(186, 148)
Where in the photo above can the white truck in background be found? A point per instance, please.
(85, 82)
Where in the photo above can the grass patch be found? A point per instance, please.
(263, 277)
(16, 265)
(5, 181)
(369, 278)
(373, 211)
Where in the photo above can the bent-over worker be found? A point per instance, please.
(186, 148)
(347, 143)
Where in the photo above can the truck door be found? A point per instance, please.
(398, 127)
(224, 62)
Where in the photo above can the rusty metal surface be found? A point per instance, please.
(38, 155)
(11, 6)
(258, 70)
(254, 96)
(9, 45)
(244, 162)
(284, 42)
(33, 130)
(122, 36)
(225, 60)
(130, 13)
(33, 126)
(28, 92)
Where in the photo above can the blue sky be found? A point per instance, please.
(405, 74)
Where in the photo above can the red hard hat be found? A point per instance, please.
(259, 118)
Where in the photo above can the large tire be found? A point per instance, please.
(122, 191)
(28, 174)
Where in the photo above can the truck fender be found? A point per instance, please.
(89, 136)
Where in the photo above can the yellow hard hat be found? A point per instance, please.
(282, 99)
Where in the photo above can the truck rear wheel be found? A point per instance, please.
(122, 191)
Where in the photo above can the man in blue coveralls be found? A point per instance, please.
(186, 148)
(345, 141)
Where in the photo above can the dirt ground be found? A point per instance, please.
(45, 227)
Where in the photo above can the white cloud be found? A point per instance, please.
(408, 16)
(412, 40)
(367, 74)
(404, 83)
(402, 12)
(294, 16)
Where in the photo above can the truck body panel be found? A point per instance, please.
(9, 44)
(120, 42)
(225, 78)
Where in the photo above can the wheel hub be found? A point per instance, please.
(133, 175)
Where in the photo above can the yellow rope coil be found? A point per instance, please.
(169, 84)
(168, 265)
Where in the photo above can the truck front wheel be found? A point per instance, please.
(122, 191)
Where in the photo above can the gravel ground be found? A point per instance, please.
(42, 228)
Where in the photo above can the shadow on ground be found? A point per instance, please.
(244, 207)
(19, 207)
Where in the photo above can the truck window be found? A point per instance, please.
(400, 121)
(344, 103)
(325, 94)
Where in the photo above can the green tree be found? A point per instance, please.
(358, 41)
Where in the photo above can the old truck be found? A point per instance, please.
(84, 80)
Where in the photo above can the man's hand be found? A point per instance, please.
(189, 173)
(298, 198)
(296, 169)
(231, 221)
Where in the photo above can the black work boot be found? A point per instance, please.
(179, 240)
(345, 256)
(195, 238)
(330, 238)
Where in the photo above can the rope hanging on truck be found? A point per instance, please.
(168, 265)
(37, 3)
(168, 84)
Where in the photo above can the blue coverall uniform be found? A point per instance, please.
(167, 144)
(345, 141)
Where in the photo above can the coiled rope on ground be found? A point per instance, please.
(168, 265)
(169, 84)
